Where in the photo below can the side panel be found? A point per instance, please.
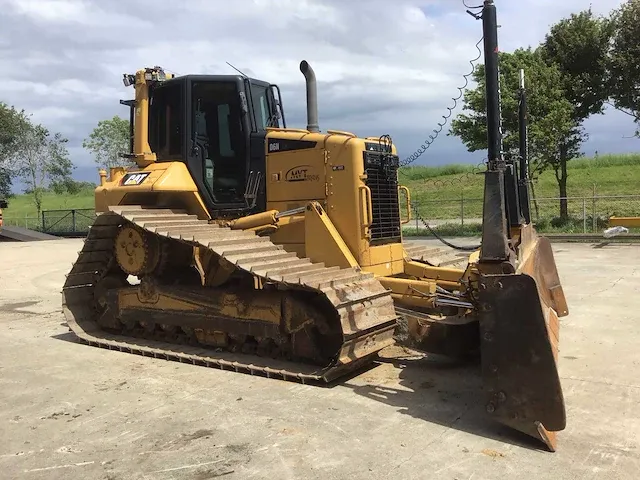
(296, 175)
(329, 168)
(347, 201)
(384, 260)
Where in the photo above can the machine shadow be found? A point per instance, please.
(430, 388)
(68, 337)
(439, 391)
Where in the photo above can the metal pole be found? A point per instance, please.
(494, 131)
(594, 209)
(494, 220)
(415, 208)
(73, 220)
(523, 180)
(584, 215)
(462, 208)
(522, 126)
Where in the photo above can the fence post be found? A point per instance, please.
(43, 221)
(594, 209)
(73, 220)
(584, 215)
(462, 207)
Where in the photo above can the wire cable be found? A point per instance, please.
(473, 7)
(470, 248)
(436, 132)
(445, 118)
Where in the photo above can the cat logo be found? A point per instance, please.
(135, 178)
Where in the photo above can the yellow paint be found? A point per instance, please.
(257, 220)
(323, 243)
(629, 222)
(332, 173)
(421, 270)
(410, 292)
(261, 306)
(141, 149)
(172, 179)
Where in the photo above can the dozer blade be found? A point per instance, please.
(519, 331)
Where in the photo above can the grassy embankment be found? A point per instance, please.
(439, 191)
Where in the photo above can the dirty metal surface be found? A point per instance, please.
(365, 309)
(436, 256)
(519, 343)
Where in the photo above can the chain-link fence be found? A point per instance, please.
(453, 216)
(31, 222)
(70, 222)
(550, 215)
(65, 222)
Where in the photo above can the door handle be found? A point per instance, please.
(408, 195)
(367, 205)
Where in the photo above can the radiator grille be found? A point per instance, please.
(382, 178)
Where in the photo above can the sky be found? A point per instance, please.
(383, 66)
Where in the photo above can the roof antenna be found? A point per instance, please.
(241, 73)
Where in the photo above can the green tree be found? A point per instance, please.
(40, 159)
(549, 113)
(625, 60)
(71, 186)
(12, 122)
(578, 46)
(108, 141)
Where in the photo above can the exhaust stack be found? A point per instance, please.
(312, 96)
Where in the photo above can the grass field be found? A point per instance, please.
(22, 205)
(444, 193)
(607, 175)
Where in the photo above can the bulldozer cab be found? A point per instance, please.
(216, 124)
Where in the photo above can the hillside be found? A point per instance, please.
(447, 192)
(22, 205)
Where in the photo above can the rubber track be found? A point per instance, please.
(365, 307)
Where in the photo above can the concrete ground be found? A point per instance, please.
(72, 411)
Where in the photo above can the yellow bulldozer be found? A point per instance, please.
(240, 243)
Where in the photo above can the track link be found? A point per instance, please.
(436, 256)
(365, 308)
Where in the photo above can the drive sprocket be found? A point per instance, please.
(137, 253)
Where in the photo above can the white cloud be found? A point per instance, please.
(51, 115)
(383, 66)
(68, 11)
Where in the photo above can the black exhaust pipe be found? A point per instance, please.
(312, 96)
